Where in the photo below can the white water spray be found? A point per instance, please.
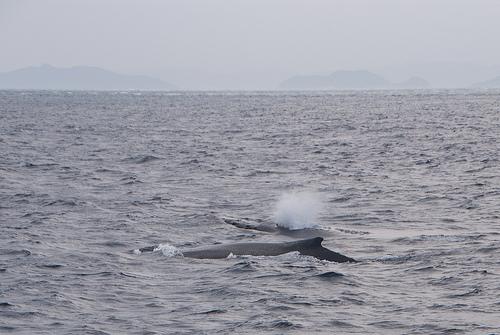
(298, 210)
(168, 250)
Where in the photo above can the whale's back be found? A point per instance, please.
(310, 247)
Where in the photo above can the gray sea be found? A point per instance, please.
(406, 182)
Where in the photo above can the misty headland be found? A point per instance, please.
(47, 77)
(360, 79)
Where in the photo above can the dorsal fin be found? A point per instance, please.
(314, 242)
(313, 247)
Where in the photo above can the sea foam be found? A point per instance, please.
(168, 250)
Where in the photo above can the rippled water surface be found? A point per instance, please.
(409, 183)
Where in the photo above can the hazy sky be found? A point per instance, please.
(203, 44)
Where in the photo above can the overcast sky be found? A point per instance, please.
(214, 44)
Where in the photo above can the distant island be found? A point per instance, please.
(77, 78)
(349, 80)
(492, 83)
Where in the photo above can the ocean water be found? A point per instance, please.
(407, 182)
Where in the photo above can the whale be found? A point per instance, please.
(267, 227)
(309, 247)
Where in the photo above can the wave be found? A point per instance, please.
(140, 159)
(15, 252)
(440, 237)
(416, 256)
(39, 165)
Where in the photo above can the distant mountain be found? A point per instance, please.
(77, 78)
(492, 83)
(349, 80)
